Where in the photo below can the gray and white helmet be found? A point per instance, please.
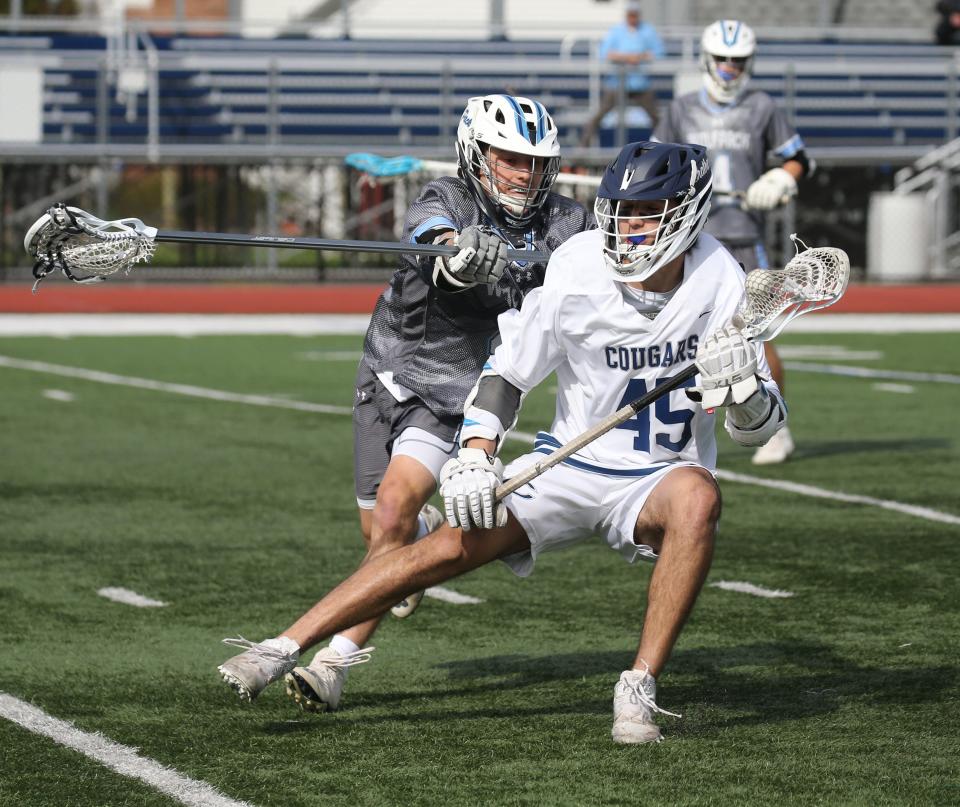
(722, 42)
(515, 124)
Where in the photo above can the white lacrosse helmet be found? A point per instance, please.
(726, 41)
(508, 123)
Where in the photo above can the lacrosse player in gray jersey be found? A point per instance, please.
(431, 333)
(740, 127)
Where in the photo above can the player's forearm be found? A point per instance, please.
(795, 168)
(487, 446)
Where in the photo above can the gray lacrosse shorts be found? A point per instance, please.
(384, 427)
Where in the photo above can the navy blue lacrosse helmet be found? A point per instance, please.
(678, 174)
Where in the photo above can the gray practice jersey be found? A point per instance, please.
(738, 138)
(436, 342)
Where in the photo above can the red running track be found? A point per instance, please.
(156, 298)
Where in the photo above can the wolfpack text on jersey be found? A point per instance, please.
(738, 137)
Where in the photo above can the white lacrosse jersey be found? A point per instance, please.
(583, 325)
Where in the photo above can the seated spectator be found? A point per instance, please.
(948, 28)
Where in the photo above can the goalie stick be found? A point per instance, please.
(391, 167)
(87, 249)
(813, 279)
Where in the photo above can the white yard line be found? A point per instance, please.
(330, 355)
(262, 400)
(59, 395)
(120, 758)
(820, 493)
(750, 588)
(67, 325)
(870, 372)
(875, 323)
(903, 389)
(834, 352)
(163, 386)
(128, 597)
(451, 596)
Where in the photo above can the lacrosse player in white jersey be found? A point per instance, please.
(429, 336)
(739, 127)
(622, 308)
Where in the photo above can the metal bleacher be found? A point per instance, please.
(235, 95)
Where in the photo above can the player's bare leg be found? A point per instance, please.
(776, 365)
(780, 446)
(392, 523)
(377, 584)
(679, 520)
(407, 484)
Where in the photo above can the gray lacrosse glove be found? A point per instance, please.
(482, 258)
(728, 369)
(468, 484)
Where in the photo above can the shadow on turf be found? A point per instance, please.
(717, 688)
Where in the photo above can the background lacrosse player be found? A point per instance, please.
(431, 332)
(740, 127)
(622, 308)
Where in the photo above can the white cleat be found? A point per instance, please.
(776, 450)
(250, 672)
(318, 687)
(434, 519)
(407, 605)
(634, 705)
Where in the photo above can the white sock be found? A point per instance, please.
(422, 529)
(284, 644)
(343, 645)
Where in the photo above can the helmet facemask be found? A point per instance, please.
(517, 184)
(725, 46)
(633, 249)
(722, 82)
(497, 135)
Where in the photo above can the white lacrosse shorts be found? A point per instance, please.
(567, 505)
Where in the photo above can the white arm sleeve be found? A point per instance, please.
(755, 421)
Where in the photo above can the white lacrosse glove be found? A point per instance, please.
(728, 369)
(482, 259)
(774, 188)
(468, 483)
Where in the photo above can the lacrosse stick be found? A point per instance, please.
(87, 249)
(391, 167)
(813, 279)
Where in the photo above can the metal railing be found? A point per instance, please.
(867, 77)
(936, 175)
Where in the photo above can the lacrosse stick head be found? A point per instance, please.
(85, 248)
(813, 279)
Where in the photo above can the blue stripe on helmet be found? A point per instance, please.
(736, 33)
(518, 116)
(541, 121)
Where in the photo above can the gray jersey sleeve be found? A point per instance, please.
(781, 138)
(436, 342)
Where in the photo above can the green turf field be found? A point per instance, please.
(239, 516)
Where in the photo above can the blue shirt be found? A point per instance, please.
(624, 39)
